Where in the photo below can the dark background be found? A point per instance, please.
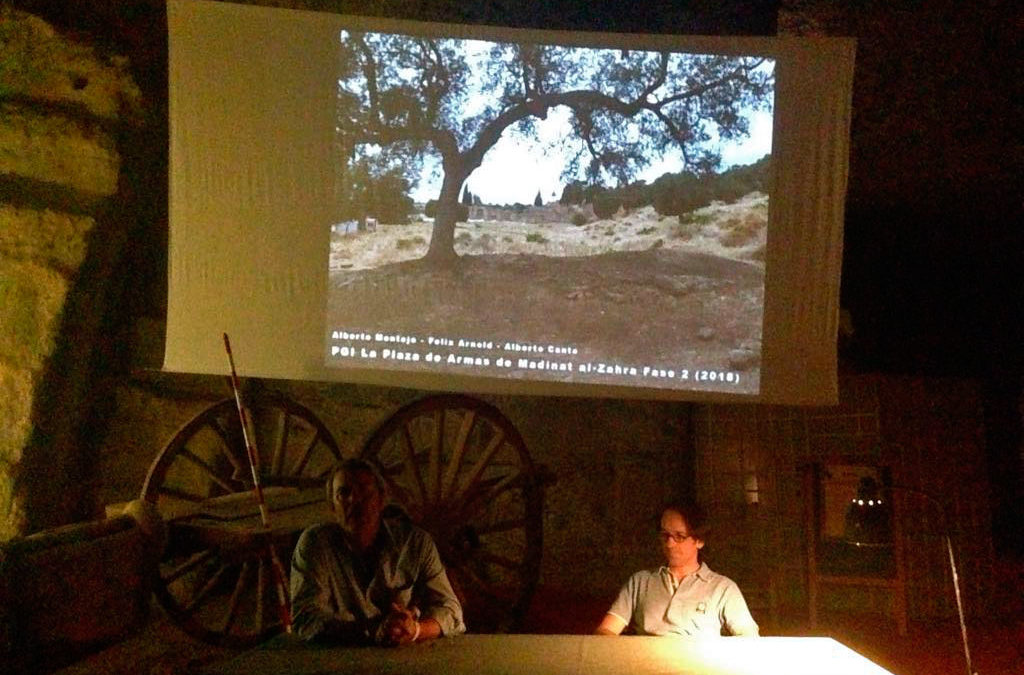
(933, 244)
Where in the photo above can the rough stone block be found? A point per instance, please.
(12, 516)
(15, 412)
(40, 63)
(55, 149)
(31, 300)
(47, 237)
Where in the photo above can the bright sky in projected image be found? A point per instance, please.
(517, 167)
(514, 170)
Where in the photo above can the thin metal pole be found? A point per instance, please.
(952, 566)
(959, 606)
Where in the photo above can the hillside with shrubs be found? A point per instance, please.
(723, 215)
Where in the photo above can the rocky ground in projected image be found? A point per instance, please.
(674, 289)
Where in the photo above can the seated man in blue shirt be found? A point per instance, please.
(370, 577)
(682, 597)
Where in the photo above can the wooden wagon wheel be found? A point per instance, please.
(215, 578)
(461, 470)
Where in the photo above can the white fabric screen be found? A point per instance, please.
(252, 94)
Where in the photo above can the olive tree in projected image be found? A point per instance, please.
(403, 100)
(670, 282)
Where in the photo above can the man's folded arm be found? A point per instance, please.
(310, 595)
(735, 616)
(439, 601)
(611, 624)
(620, 613)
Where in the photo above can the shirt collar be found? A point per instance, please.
(701, 572)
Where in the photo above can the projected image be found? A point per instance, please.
(551, 213)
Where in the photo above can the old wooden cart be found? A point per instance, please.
(456, 464)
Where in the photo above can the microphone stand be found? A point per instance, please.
(952, 567)
(959, 605)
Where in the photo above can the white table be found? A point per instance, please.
(558, 655)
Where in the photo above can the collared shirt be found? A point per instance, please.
(703, 603)
(327, 592)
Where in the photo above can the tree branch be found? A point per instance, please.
(369, 68)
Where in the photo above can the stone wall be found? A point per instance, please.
(62, 108)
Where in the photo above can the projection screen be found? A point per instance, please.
(497, 210)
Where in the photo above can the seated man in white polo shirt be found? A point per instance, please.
(682, 597)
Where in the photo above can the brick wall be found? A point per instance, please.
(928, 430)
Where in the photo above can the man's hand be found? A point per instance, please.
(400, 626)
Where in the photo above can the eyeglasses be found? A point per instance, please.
(677, 537)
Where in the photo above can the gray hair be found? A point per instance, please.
(352, 465)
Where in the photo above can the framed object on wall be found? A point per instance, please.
(853, 532)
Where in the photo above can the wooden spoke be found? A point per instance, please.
(201, 482)
(455, 462)
(306, 455)
(436, 448)
(236, 598)
(281, 446)
(476, 494)
(411, 464)
(189, 565)
(261, 594)
(483, 494)
(181, 494)
(506, 483)
(481, 464)
(210, 472)
(268, 617)
(229, 441)
(198, 597)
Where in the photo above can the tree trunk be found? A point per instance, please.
(442, 238)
